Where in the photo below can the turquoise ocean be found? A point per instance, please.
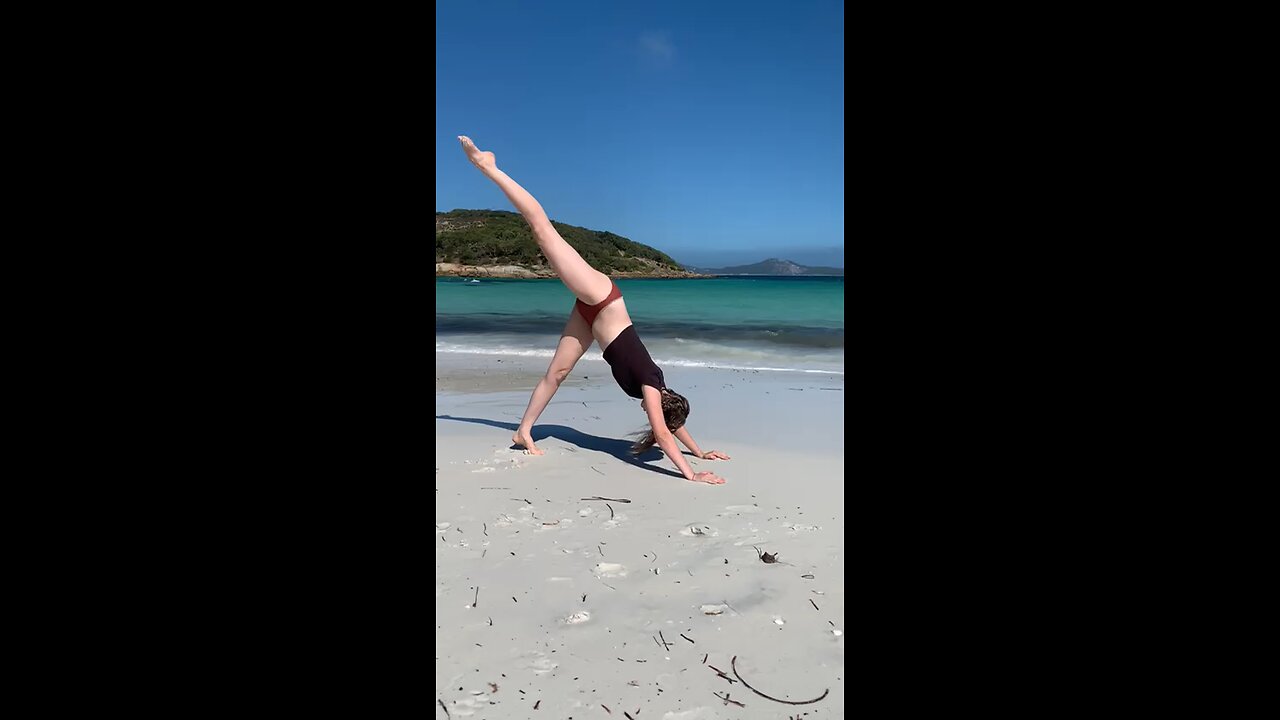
(769, 324)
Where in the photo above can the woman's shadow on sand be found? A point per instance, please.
(620, 449)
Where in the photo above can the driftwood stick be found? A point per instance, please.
(597, 497)
(734, 664)
(721, 674)
(727, 700)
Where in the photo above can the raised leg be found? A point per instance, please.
(574, 341)
(588, 284)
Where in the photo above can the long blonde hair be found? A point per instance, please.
(675, 411)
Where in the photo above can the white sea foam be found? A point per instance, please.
(661, 359)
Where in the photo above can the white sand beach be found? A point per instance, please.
(550, 605)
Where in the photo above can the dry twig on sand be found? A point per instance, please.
(721, 674)
(727, 700)
(734, 664)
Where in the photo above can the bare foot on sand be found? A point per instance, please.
(525, 440)
(708, 477)
(479, 158)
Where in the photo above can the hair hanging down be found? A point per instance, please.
(675, 410)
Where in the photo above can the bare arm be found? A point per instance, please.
(667, 441)
(683, 436)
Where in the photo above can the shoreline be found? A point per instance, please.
(494, 372)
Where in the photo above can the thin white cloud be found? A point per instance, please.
(658, 44)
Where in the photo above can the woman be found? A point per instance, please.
(599, 314)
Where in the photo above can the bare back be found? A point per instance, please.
(611, 321)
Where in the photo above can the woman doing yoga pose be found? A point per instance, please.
(600, 315)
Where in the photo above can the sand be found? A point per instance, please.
(547, 599)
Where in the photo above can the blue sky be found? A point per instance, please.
(713, 131)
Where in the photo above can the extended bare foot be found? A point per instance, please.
(525, 440)
(479, 158)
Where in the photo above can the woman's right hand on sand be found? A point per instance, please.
(708, 477)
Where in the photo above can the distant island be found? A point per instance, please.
(496, 243)
(772, 266)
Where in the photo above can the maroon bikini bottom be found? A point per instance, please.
(589, 312)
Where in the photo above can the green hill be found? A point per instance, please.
(494, 237)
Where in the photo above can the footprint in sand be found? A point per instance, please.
(540, 664)
(478, 702)
(738, 510)
(698, 713)
(699, 530)
(605, 569)
(798, 528)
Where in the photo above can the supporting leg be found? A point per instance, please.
(574, 341)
